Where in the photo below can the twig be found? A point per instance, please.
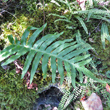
(7, 12)
(97, 26)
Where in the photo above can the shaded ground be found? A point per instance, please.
(48, 99)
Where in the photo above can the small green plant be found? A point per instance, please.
(67, 53)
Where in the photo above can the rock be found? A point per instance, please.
(78, 109)
(6, 67)
(55, 108)
(49, 98)
(81, 4)
(92, 103)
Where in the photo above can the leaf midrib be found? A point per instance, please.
(49, 54)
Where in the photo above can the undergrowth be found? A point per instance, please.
(59, 16)
(14, 94)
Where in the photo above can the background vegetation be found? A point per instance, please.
(89, 26)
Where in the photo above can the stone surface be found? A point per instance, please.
(48, 99)
(92, 103)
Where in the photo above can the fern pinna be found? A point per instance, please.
(68, 54)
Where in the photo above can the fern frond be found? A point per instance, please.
(69, 96)
(104, 34)
(82, 23)
(68, 53)
(80, 40)
(63, 100)
(93, 11)
(65, 19)
(100, 17)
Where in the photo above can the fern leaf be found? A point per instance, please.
(10, 37)
(94, 11)
(73, 75)
(9, 51)
(68, 53)
(35, 65)
(21, 52)
(104, 34)
(89, 16)
(80, 75)
(35, 34)
(17, 41)
(100, 17)
(44, 64)
(66, 20)
(53, 66)
(82, 23)
(5, 50)
(63, 17)
(28, 62)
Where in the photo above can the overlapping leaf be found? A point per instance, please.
(63, 54)
(104, 34)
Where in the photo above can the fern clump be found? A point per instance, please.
(67, 53)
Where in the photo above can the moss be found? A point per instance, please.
(102, 54)
(13, 93)
(17, 26)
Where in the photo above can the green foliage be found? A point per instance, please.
(14, 95)
(92, 13)
(104, 34)
(69, 96)
(68, 54)
(108, 74)
(67, 17)
(2, 42)
(102, 54)
(23, 20)
(4, 0)
(106, 96)
(32, 5)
